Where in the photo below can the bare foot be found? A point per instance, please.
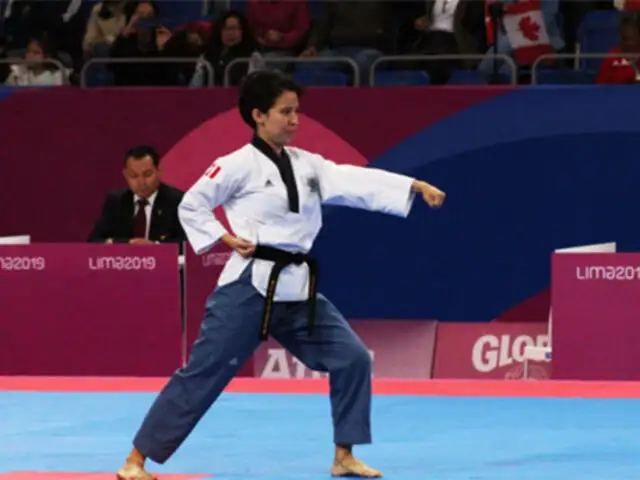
(346, 465)
(134, 471)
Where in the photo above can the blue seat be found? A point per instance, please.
(598, 33)
(171, 9)
(565, 76)
(466, 77)
(316, 9)
(238, 5)
(312, 78)
(599, 19)
(176, 21)
(473, 77)
(393, 78)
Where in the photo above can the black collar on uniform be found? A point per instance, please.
(266, 149)
(283, 163)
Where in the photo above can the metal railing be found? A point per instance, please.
(277, 60)
(540, 61)
(148, 60)
(570, 56)
(205, 6)
(422, 58)
(24, 61)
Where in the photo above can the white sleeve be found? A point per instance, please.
(366, 188)
(222, 180)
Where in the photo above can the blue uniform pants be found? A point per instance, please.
(229, 335)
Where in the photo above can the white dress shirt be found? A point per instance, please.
(443, 15)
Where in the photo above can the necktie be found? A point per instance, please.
(140, 220)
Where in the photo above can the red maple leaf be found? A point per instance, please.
(530, 28)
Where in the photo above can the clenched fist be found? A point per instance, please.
(240, 245)
(433, 196)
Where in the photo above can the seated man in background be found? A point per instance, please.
(145, 212)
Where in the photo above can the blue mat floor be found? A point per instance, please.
(282, 437)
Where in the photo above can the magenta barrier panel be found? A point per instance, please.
(87, 309)
(596, 311)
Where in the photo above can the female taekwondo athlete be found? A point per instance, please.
(272, 195)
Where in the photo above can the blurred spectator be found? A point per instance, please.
(36, 71)
(106, 21)
(473, 23)
(359, 30)
(3, 22)
(442, 31)
(144, 37)
(623, 70)
(280, 26)
(188, 42)
(4, 67)
(523, 45)
(21, 23)
(27, 19)
(66, 25)
(231, 38)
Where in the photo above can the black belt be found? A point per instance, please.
(282, 259)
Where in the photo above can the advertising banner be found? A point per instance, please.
(488, 350)
(398, 348)
(89, 309)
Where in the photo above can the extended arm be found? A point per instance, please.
(372, 189)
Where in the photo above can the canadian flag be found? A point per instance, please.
(525, 28)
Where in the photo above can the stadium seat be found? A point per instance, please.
(313, 78)
(392, 78)
(597, 33)
(238, 5)
(467, 77)
(564, 76)
(316, 9)
(178, 23)
(178, 9)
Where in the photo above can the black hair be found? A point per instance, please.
(49, 50)
(130, 8)
(140, 151)
(215, 46)
(630, 20)
(261, 89)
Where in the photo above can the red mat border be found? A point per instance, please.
(472, 388)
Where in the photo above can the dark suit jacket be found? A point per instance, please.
(116, 221)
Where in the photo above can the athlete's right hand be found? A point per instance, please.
(240, 245)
